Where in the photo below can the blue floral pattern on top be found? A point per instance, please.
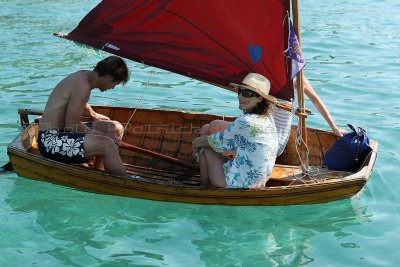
(255, 140)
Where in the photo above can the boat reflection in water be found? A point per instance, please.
(72, 229)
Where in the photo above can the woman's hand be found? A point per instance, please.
(195, 146)
(339, 132)
(200, 142)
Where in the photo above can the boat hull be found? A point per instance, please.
(179, 185)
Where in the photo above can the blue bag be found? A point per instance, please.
(348, 152)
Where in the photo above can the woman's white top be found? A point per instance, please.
(254, 138)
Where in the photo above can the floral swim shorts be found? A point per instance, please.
(62, 146)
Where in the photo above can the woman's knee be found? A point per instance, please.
(204, 130)
(218, 126)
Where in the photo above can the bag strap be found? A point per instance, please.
(361, 131)
(358, 133)
(352, 128)
(358, 147)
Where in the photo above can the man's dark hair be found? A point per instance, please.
(263, 108)
(114, 66)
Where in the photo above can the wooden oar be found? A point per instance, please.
(159, 156)
(123, 145)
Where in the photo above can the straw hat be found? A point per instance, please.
(257, 83)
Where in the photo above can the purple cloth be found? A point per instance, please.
(294, 51)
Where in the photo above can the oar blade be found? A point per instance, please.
(6, 168)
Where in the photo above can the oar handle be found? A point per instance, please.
(289, 107)
(156, 155)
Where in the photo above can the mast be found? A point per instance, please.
(300, 94)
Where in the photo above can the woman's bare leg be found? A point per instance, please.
(213, 167)
(214, 127)
(203, 171)
(211, 170)
(204, 130)
(218, 126)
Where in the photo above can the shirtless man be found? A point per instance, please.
(62, 135)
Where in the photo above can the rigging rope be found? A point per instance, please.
(140, 99)
(311, 172)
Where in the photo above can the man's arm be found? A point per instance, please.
(74, 111)
(88, 111)
(76, 106)
(312, 95)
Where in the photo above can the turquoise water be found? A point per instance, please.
(352, 49)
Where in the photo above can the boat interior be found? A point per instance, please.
(170, 133)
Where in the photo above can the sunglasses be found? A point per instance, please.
(247, 93)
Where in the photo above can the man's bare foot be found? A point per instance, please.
(85, 165)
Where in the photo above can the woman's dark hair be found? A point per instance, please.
(263, 108)
(114, 66)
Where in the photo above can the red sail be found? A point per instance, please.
(217, 41)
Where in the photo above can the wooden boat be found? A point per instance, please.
(171, 133)
(197, 41)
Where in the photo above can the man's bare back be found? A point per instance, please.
(66, 103)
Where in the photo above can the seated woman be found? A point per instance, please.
(252, 137)
(283, 118)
